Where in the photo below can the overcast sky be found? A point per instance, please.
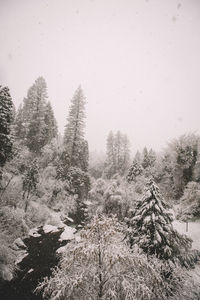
(138, 62)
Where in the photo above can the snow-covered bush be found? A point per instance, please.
(11, 193)
(112, 197)
(37, 214)
(12, 222)
(12, 226)
(7, 259)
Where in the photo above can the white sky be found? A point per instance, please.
(138, 63)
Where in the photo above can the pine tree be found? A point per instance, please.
(74, 166)
(185, 153)
(80, 215)
(117, 154)
(30, 182)
(134, 171)
(145, 158)
(150, 227)
(152, 157)
(19, 124)
(37, 95)
(124, 155)
(35, 125)
(50, 128)
(84, 156)
(74, 130)
(111, 157)
(137, 157)
(6, 118)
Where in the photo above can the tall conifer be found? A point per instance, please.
(35, 124)
(6, 118)
(74, 130)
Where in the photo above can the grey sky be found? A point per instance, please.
(138, 63)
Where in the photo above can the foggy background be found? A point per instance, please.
(137, 62)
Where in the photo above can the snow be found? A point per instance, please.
(87, 202)
(34, 232)
(61, 249)
(193, 231)
(147, 219)
(68, 234)
(77, 238)
(31, 270)
(70, 219)
(50, 228)
(19, 243)
(21, 257)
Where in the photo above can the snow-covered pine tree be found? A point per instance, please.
(134, 171)
(30, 182)
(118, 150)
(73, 165)
(35, 125)
(37, 96)
(152, 157)
(74, 130)
(145, 158)
(150, 227)
(50, 129)
(123, 151)
(137, 157)
(111, 157)
(84, 156)
(184, 154)
(19, 124)
(6, 118)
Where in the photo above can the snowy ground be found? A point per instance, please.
(193, 231)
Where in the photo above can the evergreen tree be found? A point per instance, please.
(150, 227)
(35, 125)
(73, 165)
(37, 95)
(6, 118)
(78, 185)
(152, 158)
(50, 129)
(184, 151)
(179, 164)
(80, 214)
(30, 181)
(124, 158)
(78, 181)
(74, 130)
(145, 158)
(19, 126)
(165, 175)
(111, 157)
(117, 154)
(148, 163)
(84, 156)
(134, 171)
(190, 202)
(137, 157)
